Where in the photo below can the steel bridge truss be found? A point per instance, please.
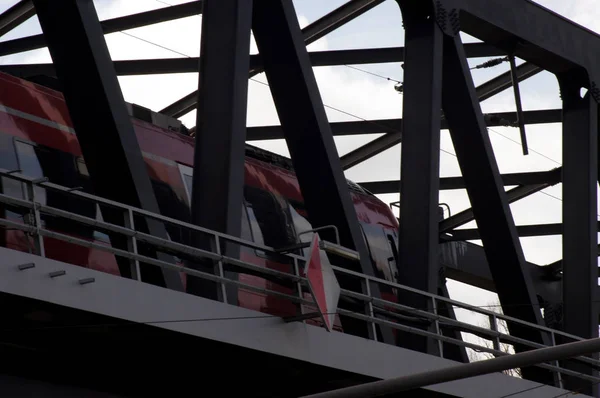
(436, 77)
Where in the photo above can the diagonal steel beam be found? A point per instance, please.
(478, 165)
(308, 134)
(328, 23)
(484, 91)
(502, 82)
(512, 196)
(337, 18)
(111, 26)
(80, 54)
(15, 16)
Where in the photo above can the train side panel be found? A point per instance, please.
(36, 136)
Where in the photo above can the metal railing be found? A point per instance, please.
(427, 322)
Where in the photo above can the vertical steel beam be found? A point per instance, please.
(306, 128)
(488, 199)
(97, 108)
(580, 236)
(218, 181)
(419, 236)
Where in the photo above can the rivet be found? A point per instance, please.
(85, 281)
(57, 273)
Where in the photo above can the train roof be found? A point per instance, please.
(173, 124)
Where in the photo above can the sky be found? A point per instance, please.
(359, 95)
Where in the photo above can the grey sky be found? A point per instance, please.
(359, 94)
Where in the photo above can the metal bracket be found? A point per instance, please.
(595, 91)
(447, 20)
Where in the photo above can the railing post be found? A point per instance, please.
(370, 310)
(437, 327)
(298, 286)
(494, 328)
(223, 289)
(37, 220)
(132, 245)
(558, 374)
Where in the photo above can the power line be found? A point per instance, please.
(165, 3)
(532, 150)
(358, 117)
(373, 74)
(155, 44)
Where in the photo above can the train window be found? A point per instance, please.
(186, 175)
(8, 161)
(82, 167)
(257, 236)
(301, 225)
(30, 166)
(246, 230)
(100, 236)
(381, 253)
(393, 263)
(272, 216)
(84, 181)
(171, 206)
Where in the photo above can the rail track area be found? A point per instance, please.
(150, 251)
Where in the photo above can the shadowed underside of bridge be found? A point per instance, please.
(103, 354)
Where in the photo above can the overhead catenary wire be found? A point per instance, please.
(361, 118)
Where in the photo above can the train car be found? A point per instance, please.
(37, 138)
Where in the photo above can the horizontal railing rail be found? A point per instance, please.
(378, 310)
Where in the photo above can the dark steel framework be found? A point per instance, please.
(436, 78)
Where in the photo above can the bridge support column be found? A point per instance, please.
(580, 236)
(419, 192)
(219, 157)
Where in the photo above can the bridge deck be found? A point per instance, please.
(180, 335)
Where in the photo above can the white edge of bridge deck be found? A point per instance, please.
(139, 302)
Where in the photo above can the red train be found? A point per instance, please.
(37, 137)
